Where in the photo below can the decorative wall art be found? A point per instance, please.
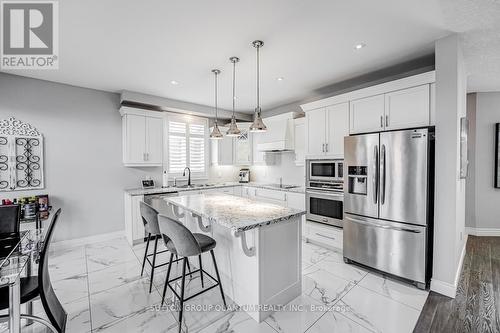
(21, 156)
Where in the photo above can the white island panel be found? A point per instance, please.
(257, 282)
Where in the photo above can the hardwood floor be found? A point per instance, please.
(476, 307)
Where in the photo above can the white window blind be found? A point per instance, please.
(187, 145)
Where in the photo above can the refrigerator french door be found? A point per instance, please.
(387, 201)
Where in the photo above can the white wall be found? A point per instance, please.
(449, 220)
(83, 151)
(485, 212)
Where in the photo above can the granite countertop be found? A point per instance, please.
(161, 190)
(236, 213)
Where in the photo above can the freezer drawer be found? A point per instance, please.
(395, 248)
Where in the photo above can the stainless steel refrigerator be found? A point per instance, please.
(388, 202)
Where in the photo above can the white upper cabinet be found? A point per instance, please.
(404, 103)
(243, 146)
(367, 114)
(316, 131)
(300, 141)
(142, 139)
(407, 108)
(337, 128)
(154, 140)
(326, 128)
(222, 149)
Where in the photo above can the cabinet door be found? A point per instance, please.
(258, 156)
(225, 147)
(407, 108)
(366, 114)
(154, 140)
(243, 148)
(337, 127)
(316, 131)
(134, 139)
(300, 141)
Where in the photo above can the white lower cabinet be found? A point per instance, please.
(323, 234)
(134, 228)
(271, 196)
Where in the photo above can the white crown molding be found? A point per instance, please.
(404, 83)
(483, 231)
(13, 126)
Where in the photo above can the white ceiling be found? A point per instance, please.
(142, 45)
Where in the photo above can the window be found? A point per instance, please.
(187, 145)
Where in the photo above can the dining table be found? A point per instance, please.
(19, 254)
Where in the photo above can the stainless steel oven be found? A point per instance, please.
(325, 206)
(325, 170)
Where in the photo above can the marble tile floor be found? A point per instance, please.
(101, 289)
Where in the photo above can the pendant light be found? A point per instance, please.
(216, 134)
(258, 124)
(233, 127)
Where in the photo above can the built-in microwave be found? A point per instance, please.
(325, 170)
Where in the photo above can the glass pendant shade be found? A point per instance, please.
(216, 133)
(233, 128)
(258, 123)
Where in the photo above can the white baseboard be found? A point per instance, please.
(483, 231)
(448, 289)
(65, 244)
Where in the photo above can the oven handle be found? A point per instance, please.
(415, 231)
(325, 193)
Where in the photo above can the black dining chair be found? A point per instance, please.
(180, 241)
(10, 217)
(34, 286)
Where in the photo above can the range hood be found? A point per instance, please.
(278, 137)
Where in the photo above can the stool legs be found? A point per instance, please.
(153, 266)
(201, 271)
(218, 278)
(168, 275)
(145, 254)
(184, 264)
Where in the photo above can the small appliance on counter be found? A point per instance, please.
(244, 176)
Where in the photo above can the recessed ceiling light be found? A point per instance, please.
(281, 78)
(174, 82)
(359, 46)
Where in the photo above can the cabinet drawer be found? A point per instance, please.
(270, 194)
(324, 234)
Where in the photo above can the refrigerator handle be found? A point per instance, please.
(376, 225)
(382, 175)
(376, 175)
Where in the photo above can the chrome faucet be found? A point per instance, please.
(189, 175)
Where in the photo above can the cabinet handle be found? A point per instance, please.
(381, 121)
(321, 235)
(323, 148)
(326, 147)
(386, 121)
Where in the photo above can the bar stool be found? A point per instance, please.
(150, 219)
(180, 241)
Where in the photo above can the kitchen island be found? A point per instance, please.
(258, 247)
